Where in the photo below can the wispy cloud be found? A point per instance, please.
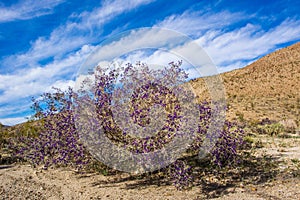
(65, 50)
(30, 82)
(229, 45)
(229, 48)
(157, 47)
(235, 48)
(31, 78)
(28, 9)
(134, 40)
(84, 28)
(14, 108)
(196, 23)
(13, 120)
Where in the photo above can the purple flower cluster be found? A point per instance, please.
(229, 141)
(149, 93)
(181, 174)
(58, 143)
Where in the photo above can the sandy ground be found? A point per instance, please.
(24, 182)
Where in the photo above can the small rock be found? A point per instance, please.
(231, 190)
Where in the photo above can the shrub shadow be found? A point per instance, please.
(216, 182)
(134, 181)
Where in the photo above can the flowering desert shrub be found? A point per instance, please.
(60, 142)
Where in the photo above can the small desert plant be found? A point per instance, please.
(240, 116)
(289, 125)
(271, 129)
(180, 174)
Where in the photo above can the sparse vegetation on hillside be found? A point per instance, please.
(268, 87)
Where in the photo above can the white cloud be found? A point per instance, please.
(62, 84)
(73, 35)
(228, 49)
(134, 40)
(245, 44)
(28, 9)
(30, 82)
(194, 23)
(29, 78)
(164, 46)
(14, 108)
(232, 48)
(13, 120)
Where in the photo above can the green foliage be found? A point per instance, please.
(29, 129)
(3, 136)
(240, 116)
(271, 129)
(249, 139)
(2, 141)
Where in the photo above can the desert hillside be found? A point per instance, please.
(268, 87)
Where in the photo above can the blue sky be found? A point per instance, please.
(44, 43)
